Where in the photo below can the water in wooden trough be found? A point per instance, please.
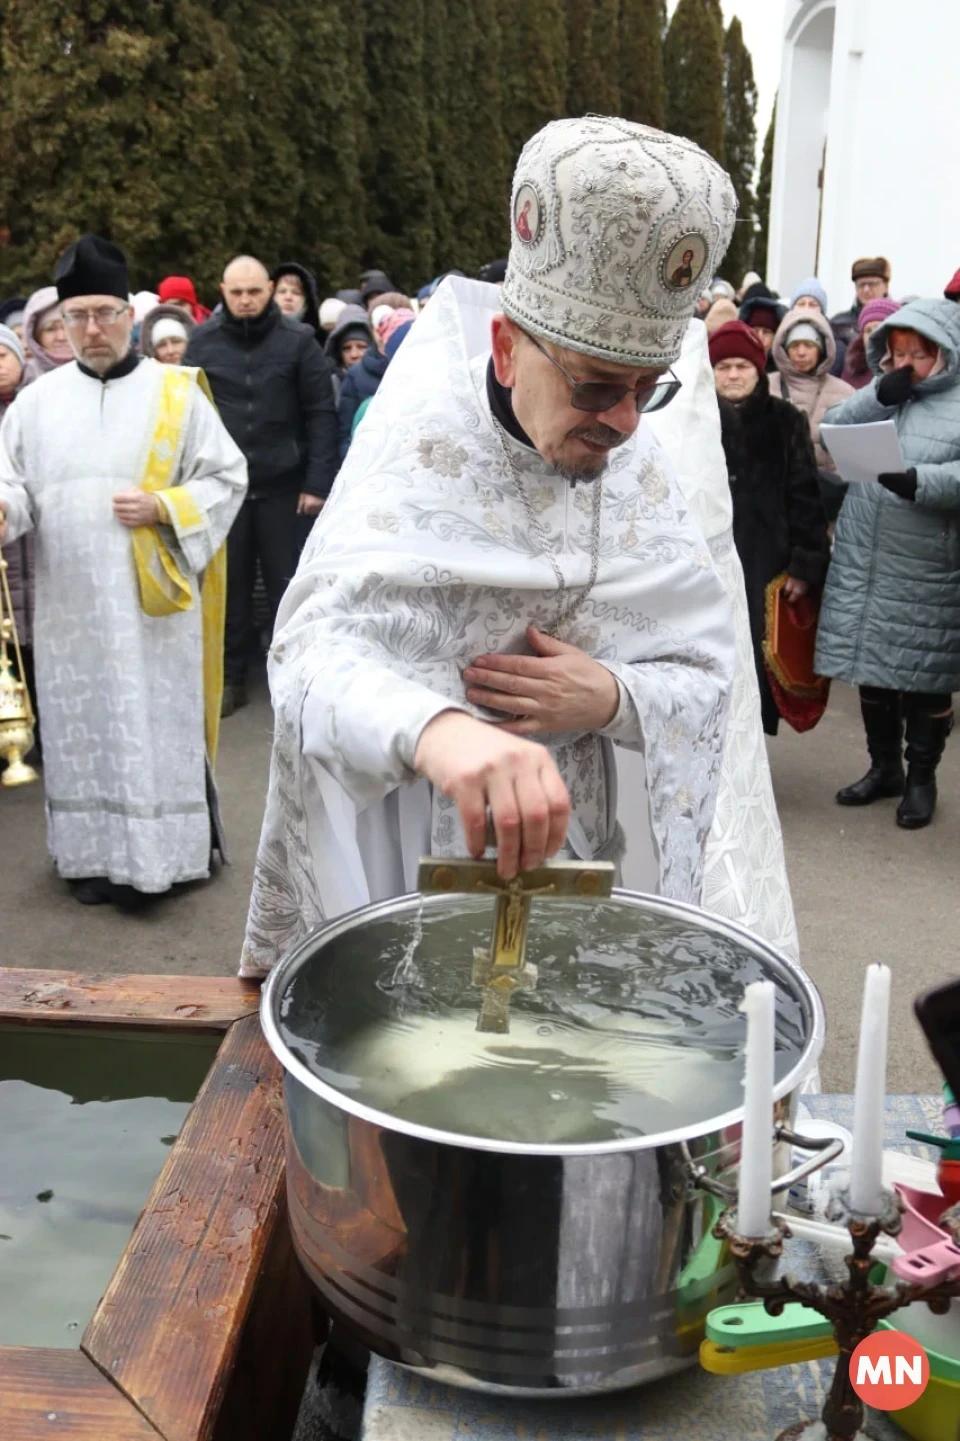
(86, 1124)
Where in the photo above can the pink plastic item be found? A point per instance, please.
(932, 1264)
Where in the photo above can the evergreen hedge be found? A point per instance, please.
(336, 134)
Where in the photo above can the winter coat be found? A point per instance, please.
(813, 394)
(311, 316)
(361, 382)
(162, 312)
(274, 391)
(19, 555)
(39, 361)
(891, 607)
(778, 519)
(856, 368)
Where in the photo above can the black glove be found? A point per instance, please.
(901, 482)
(894, 387)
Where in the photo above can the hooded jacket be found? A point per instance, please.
(39, 361)
(274, 391)
(162, 312)
(354, 317)
(813, 394)
(361, 382)
(311, 316)
(891, 607)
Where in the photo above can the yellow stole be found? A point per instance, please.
(164, 589)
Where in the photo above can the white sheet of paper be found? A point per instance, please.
(862, 452)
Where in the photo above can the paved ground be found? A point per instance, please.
(863, 889)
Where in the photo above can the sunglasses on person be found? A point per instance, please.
(600, 395)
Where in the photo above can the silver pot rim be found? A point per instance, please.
(279, 978)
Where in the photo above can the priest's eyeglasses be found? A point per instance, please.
(105, 315)
(600, 395)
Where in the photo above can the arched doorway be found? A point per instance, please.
(803, 113)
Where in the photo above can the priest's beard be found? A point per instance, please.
(589, 467)
(104, 354)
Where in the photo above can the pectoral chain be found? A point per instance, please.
(566, 611)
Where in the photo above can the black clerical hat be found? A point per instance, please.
(92, 266)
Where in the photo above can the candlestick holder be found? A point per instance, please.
(853, 1307)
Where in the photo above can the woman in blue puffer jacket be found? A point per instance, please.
(890, 620)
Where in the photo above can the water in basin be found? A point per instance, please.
(632, 1029)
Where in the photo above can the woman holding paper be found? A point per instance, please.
(890, 619)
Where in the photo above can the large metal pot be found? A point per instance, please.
(524, 1270)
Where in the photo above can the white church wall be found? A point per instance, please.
(893, 146)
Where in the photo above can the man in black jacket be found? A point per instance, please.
(274, 390)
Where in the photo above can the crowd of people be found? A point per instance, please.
(291, 376)
(880, 562)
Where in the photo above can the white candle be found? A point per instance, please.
(754, 1202)
(866, 1163)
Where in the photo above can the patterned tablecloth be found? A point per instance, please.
(691, 1407)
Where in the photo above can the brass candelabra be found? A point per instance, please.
(17, 720)
(853, 1307)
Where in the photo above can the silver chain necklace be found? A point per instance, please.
(566, 613)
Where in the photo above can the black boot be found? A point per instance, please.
(926, 738)
(883, 723)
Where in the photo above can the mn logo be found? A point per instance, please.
(889, 1370)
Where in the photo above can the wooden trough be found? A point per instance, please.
(204, 1332)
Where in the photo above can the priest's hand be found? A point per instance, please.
(559, 689)
(794, 590)
(136, 507)
(4, 527)
(309, 504)
(478, 766)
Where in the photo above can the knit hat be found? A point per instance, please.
(397, 337)
(751, 278)
(877, 310)
(376, 283)
(177, 287)
(330, 312)
(952, 291)
(736, 341)
(92, 266)
(11, 340)
(167, 328)
(723, 290)
(879, 265)
(389, 324)
(143, 302)
(803, 330)
(614, 227)
(720, 313)
(813, 288)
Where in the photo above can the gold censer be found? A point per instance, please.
(16, 712)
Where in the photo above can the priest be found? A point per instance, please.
(507, 582)
(125, 472)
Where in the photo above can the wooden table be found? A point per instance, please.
(205, 1330)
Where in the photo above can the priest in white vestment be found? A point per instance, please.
(507, 582)
(125, 472)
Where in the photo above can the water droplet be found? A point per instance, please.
(558, 1096)
(73, 1325)
(544, 1030)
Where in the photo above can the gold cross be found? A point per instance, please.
(502, 969)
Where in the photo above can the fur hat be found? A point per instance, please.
(879, 265)
(614, 227)
(736, 341)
